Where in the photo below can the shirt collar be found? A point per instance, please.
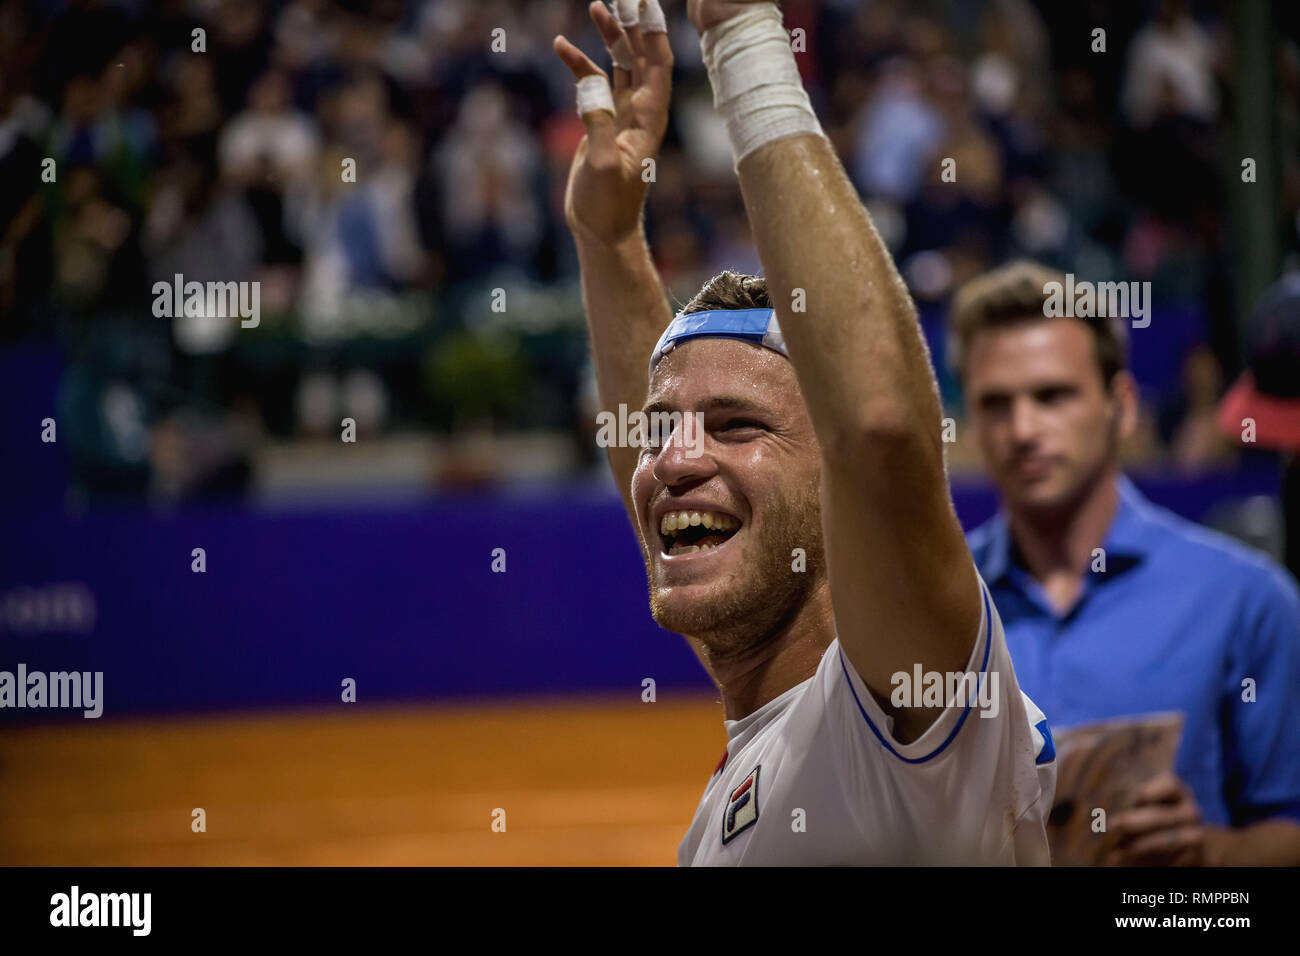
(751, 723)
(1128, 538)
(998, 553)
(1130, 530)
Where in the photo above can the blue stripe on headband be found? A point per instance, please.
(758, 326)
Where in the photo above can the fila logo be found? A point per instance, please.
(742, 807)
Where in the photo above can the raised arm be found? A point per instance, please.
(903, 586)
(624, 300)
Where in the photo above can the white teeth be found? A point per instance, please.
(675, 521)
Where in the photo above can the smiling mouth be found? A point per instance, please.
(685, 532)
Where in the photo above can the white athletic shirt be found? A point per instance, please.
(815, 777)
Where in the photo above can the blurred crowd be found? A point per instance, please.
(213, 138)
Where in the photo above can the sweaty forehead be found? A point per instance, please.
(704, 368)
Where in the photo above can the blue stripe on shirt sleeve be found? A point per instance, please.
(1047, 752)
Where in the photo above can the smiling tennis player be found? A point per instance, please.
(807, 549)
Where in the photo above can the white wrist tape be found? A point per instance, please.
(594, 94)
(756, 85)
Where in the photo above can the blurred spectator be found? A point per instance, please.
(486, 166)
(98, 267)
(206, 231)
(898, 132)
(363, 237)
(24, 221)
(1263, 405)
(1170, 101)
(240, 46)
(1196, 443)
(1170, 70)
(268, 151)
(194, 111)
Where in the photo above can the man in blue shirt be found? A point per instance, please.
(1115, 607)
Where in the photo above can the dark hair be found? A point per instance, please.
(730, 290)
(1016, 293)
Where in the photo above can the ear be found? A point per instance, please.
(1124, 395)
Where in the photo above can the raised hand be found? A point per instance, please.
(609, 175)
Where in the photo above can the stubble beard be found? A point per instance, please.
(745, 612)
(1065, 502)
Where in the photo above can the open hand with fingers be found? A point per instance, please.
(610, 175)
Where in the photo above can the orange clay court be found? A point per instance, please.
(590, 783)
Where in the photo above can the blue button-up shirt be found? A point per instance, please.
(1179, 619)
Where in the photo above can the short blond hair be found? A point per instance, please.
(1016, 293)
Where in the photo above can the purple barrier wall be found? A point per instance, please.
(403, 600)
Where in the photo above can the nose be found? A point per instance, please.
(1024, 421)
(684, 457)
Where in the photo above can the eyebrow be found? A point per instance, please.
(1041, 385)
(717, 403)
